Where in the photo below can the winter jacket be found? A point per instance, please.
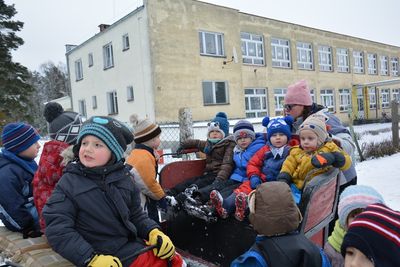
(96, 210)
(333, 245)
(298, 163)
(16, 199)
(49, 172)
(219, 157)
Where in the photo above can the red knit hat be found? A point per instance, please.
(298, 94)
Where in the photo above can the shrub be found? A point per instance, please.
(377, 150)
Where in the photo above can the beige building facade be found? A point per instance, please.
(186, 53)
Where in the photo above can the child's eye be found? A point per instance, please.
(99, 145)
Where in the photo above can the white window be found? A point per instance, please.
(252, 48)
(328, 99)
(304, 56)
(125, 42)
(385, 94)
(211, 44)
(372, 97)
(90, 59)
(78, 70)
(112, 103)
(358, 62)
(372, 64)
(279, 97)
(256, 102)
(215, 92)
(342, 55)
(384, 65)
(312, 92)
(129, 93)
(82, 107)
(394, 62)
(281, 53)
(94, 102)
(108, 57)
(344, 100)
(325, 58)
(396, 94)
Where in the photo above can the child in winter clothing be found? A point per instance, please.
(275, 217)
(63, 128)
(373, 238)
(94, 217)
(353, 200)
(17, 167)
(247, 143)
(143, 159)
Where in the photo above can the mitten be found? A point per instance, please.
(255, 181)
(165, 249)
(162, 204)
(104, 261)
(323, 160)
(340, 160)
(31, 232)
(284, 177)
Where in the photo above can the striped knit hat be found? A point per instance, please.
(144, 130)
(243, 129)
(17, 137)
(376, 233)
(112, 132)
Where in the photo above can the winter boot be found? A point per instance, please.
(217, 200)
(190, 190)
(241, 206)
(202, 212)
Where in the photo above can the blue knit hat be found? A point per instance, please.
(17, 137)
(219, 123)
(278, 125)
(112, 132)
(243, 129)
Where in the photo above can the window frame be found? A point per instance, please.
(218, 43)
(125, 42)
(262, 97)
(396, 94)
(82, 107)
(372, 64)
(385, 96)
(344, 99)
(258, 47)
(112, 102)
(214, 92)
(384, 65)
(90, 60)
(325, 55)
(284, 61)
(306, 52)
(94, 102)
(108, 56)
(394, 66)
(279, 101)
(78, 70)
(130, 94)
(372, 98)
(328, 95)
(359, 62)
(342, 60)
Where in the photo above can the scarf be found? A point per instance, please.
(29, 165)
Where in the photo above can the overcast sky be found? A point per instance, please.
(50, 24)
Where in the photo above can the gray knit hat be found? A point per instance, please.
(243, 129)
(144, 130)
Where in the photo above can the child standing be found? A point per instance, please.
(143, 159)
(64, 127)
(94, 217)
(17, 167)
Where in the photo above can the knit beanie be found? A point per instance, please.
(273, 210)
(243, 129)
(376, 233)
(220, 123)
(17, 137)
(144, 130)
(112, 132)
(298, 94)
(64, 126)
(278, 125)
(356, 197)
(316, 123)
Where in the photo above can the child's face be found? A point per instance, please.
(278, 140)
(31, 152)
(215, 135)
(352, 215)
(243, 143)
(355, 258)
(308, 140)
(94, 152)
(155, 142)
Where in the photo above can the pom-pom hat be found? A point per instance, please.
(220, 123)
(278, 125)
(17, 137)
(298, 94)
(316, 123)
(243, 129)
(144, 130)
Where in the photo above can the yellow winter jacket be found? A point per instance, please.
(298, 163)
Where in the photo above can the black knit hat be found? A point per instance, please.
(64, 126)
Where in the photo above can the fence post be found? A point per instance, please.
(185, 124)
(395, 123)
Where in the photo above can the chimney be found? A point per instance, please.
(103, 27)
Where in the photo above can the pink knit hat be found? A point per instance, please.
(298, 94)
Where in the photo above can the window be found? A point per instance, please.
(344, 100)
(108, 57)
(372, 97)
(112, 103)
(358, 62)
(252, 48)
(328, 99)
(129, 93)
(279, 96)
(394, 61)
(312, 93)
(384, 65)
(215, 92)
(90, 59)
(256, 102)
(281, 53)
(372, 65)
(385, 94)
(304, 56)
(94, 102)
(211, 44)
(82, 107)
(325, 58)
(78, 70)
(342, 56)
(396, 94)
(125, 42)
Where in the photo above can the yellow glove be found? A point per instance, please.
(165, 249)
(104, 261)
